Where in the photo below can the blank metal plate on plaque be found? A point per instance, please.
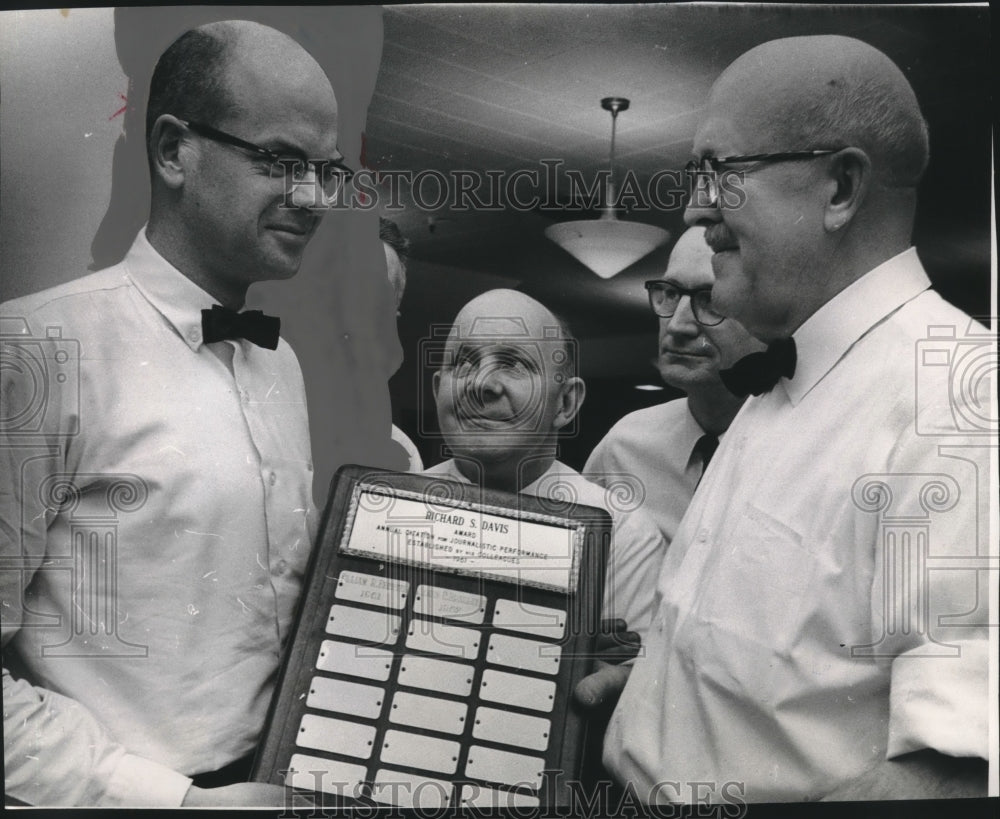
(491, 799)
(522, 654)
(418, 711)
(409, 790)
(420, 751)
(357, 661)
(357, 699)
(338, 736)
(438, 638)
(509, 728)
(336, 777)
(517, 690)
(363, 624)
(540, 621)
(505, 767)
(436, 675)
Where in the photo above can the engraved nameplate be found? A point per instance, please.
(436, 601)
(356, 587)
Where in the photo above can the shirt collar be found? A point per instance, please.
(831, 331)
(178, 299)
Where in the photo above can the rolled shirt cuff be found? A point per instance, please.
(940, 703)
(142, 783)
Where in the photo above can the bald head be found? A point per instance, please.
(828, 92)
(691, 253)
(507, 388)
(210, 74)
(505, 313)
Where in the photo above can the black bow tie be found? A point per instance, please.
(758, 372)
(220, 323)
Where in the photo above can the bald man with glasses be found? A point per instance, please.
(822, 628)
(157, 514)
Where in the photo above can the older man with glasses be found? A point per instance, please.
(822, 627)
(667, 448)
(157, 519)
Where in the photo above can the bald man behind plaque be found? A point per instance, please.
(507, 389)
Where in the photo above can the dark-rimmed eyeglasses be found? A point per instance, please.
(331, 173)
(665, 296)
(704, 172)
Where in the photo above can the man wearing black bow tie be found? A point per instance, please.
(156, 446)
(821, 629)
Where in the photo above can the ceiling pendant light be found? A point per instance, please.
(608, 245)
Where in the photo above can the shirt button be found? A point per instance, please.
(272, 479)
(282, 567)
(703, 535)
(194, 335)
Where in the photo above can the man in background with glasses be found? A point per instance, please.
(821, 629)
(668, 447)
(159, 519)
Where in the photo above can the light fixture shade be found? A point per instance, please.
(607, 246)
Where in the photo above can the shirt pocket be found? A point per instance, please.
(749, 616)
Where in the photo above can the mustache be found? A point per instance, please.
(718, 237)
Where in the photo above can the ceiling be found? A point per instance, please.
(504, 87)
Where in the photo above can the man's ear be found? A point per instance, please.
(436, 384)
(571, 395)
(851, 172)
(168, 150)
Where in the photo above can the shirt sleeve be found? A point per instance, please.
(633, 567)
(930, 593)
(56, 752)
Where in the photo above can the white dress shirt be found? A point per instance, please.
(776, 661)
(156, 522)
(636, 543)
(654, 446)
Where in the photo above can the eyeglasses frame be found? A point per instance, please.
(658, 284)
(274, 158)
